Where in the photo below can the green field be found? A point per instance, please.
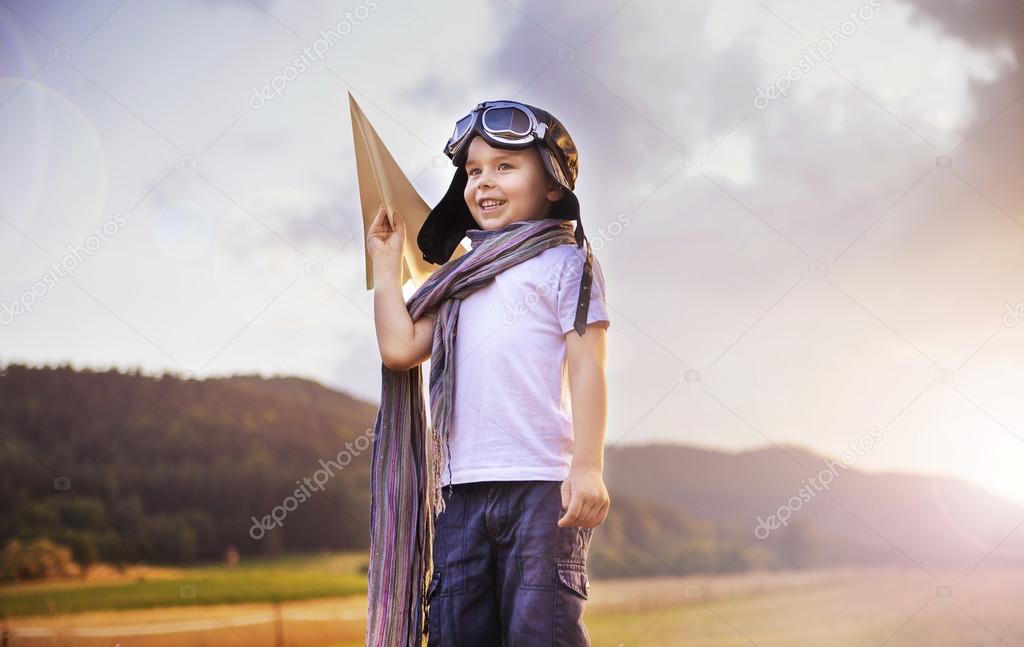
(290, 578)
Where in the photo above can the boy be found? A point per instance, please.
(523, 485)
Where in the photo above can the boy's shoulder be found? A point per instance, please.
(561, 253)
(568, 260)
(558, 262)
(565, 252)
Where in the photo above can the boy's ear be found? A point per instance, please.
(555, 191)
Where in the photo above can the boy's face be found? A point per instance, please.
(515, 179)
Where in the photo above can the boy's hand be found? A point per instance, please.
(385, 243)
(586, 498)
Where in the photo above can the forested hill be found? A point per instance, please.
(126, 466)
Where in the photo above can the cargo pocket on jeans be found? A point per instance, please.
(574, 576)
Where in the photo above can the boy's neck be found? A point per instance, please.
(509, 224)
(475, 235)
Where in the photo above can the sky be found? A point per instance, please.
(808, 215)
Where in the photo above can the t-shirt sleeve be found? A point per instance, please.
(569, 290)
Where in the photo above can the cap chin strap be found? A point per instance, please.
(586, 280)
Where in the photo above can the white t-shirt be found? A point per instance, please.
(512, 415)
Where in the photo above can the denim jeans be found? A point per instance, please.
(504, 573)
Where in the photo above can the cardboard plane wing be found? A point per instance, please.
(381, 181)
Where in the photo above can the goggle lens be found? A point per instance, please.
(507, 121)
(461, 128)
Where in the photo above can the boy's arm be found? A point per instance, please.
(584, 493)
(403, 343)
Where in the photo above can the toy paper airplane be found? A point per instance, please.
(381, 181)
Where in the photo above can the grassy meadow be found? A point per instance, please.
(285, 579)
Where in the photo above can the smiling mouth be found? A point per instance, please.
(489, 206)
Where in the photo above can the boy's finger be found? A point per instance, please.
(378, 220)
(586, 512)
(572, 514)
(389, 217)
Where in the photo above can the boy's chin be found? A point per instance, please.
(498, 220)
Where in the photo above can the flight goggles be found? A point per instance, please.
(515, 125)
(502, 123)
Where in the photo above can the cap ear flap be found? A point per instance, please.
(446, 224)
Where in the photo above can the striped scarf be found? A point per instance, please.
(405, 473)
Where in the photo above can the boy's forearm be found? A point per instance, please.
(390, 315)
(589, 390)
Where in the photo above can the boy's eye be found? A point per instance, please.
(474, 170)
